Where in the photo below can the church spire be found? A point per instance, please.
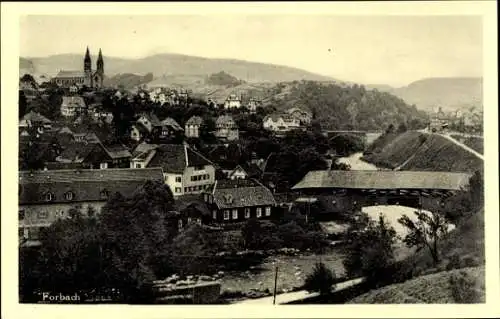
(100, 63)
(87, 63)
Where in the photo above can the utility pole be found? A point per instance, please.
(275, 283)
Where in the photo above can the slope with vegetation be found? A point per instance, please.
(128, 80)
(340, 106)
(421, 152)
(457, 286)
(177, 64)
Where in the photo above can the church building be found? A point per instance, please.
(86, 77)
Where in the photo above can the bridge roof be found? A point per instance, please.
(383, 180)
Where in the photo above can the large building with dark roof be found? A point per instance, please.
(185, 170)
(45, 196)
(345, 191)
(238, 200)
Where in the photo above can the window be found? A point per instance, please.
(104, 165)
(210, 198)
(138, 165)
(185, 189)
(226, 215)
(42, 214)
(259, 212)
(178, 179)
(189, 220)
(235, 214)
(179, 223)
(104, 194)
(49, 197)
(214, 214)
(33, 233)
(268, 211)
(21, 214)
(247, 212)
(198, 221)
(69, 196)
(178, 189)
(193, 178)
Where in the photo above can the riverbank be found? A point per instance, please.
(292, 271)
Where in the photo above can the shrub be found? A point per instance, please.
(463, 288)
(454, 262)
(320, 280)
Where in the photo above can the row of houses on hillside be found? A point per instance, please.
(149, 124)
(291, 119)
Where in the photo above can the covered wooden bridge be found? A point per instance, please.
(348, 190)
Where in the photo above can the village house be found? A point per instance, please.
(253, 104)
(239, 200)
(94, 155)
(302, 115)
(45, 196)
(439, 121)
(232, 102)
(34, 120)
(72, 106)
(226, 128)
(185, 170)
(245, 171)
(280, 123)
(192, 127)
(169, 127)
(191, 209)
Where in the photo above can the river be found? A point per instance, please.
(356, 164)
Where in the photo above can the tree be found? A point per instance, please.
(402, 128)
(69, 257)
(321, 279)
(136, 232)
(426, 231)
(193, 251)
(390, 129)
(23, 106)
(370, 251)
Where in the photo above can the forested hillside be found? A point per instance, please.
(340, 106)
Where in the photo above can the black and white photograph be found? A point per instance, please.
(253, 159)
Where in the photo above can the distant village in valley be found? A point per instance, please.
(157, 194)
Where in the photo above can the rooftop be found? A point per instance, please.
(70, 74)
(91, 175)
(33, 116)
(242, 193)
(174, 158)
(194, 120)
(383, 180)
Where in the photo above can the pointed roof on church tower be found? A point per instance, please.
(99, 58)
(87, 55)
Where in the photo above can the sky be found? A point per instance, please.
(394, 50)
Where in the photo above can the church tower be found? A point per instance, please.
(100, 64)
(87, 68)
(99, 74)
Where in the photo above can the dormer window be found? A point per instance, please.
(69, 196)
(229, 199)
(104, 194)
(49, 197)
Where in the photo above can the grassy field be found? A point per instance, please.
(434, 288)
(435, 154)
(292, 271)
